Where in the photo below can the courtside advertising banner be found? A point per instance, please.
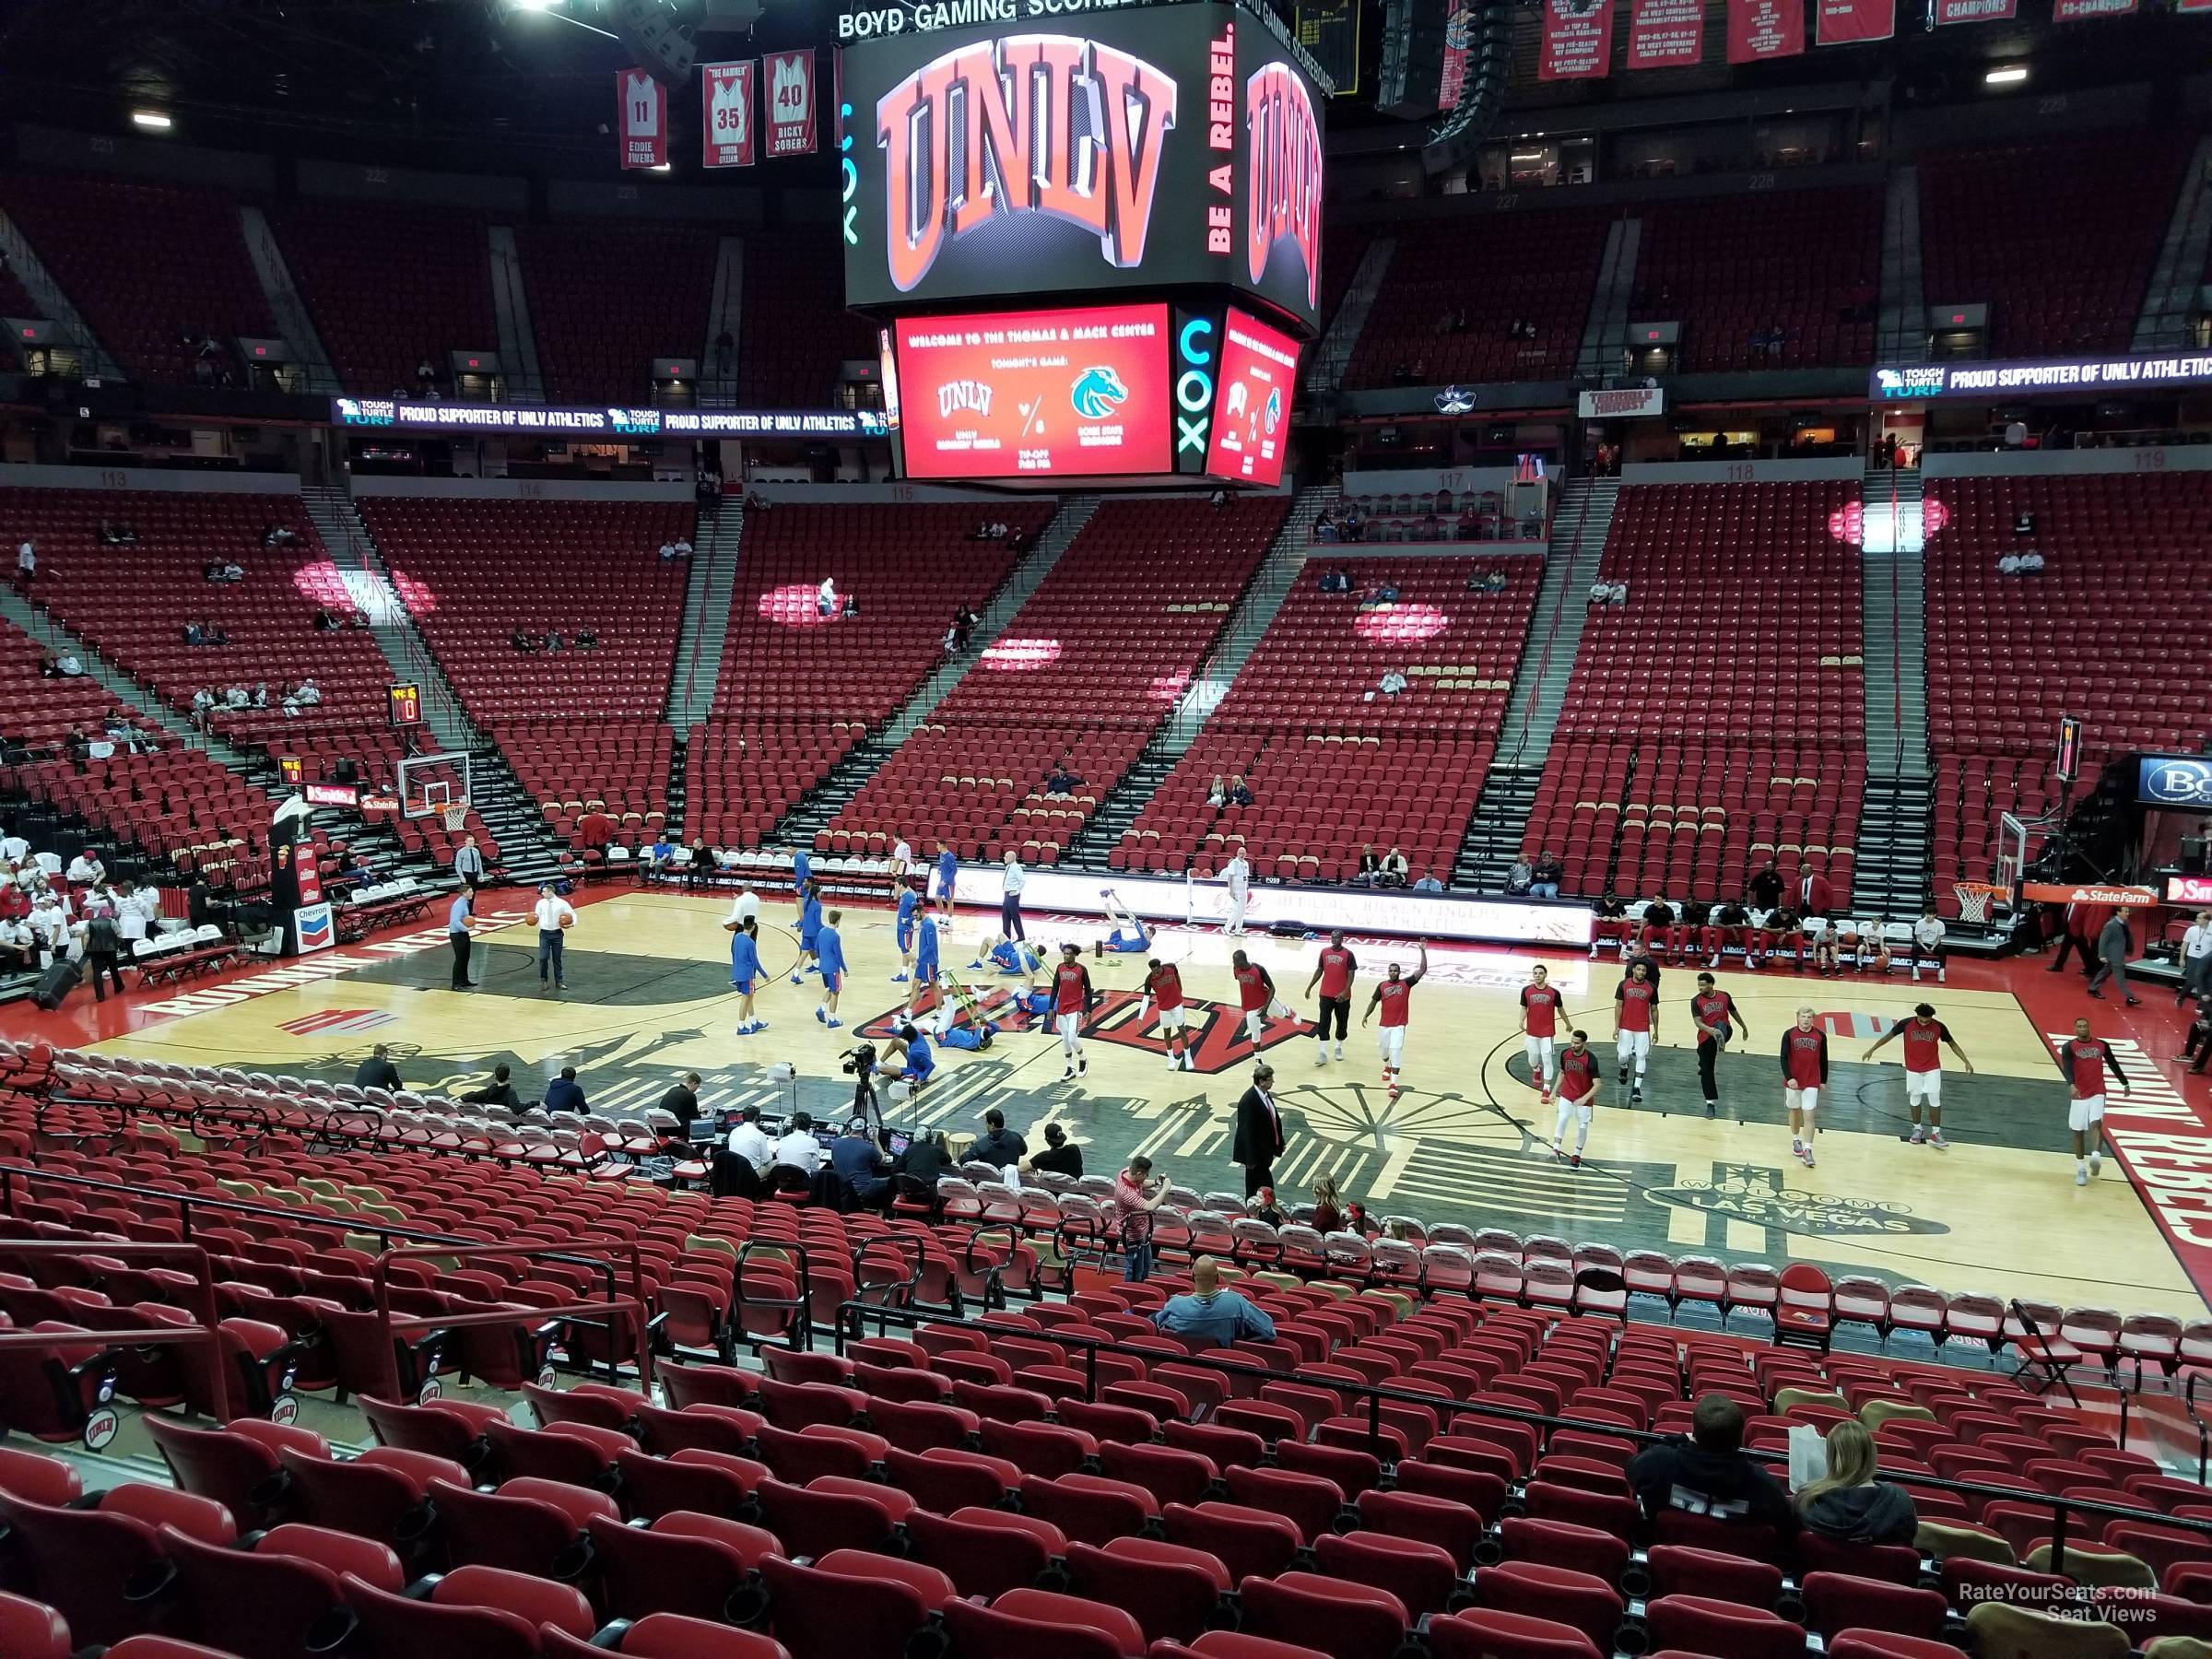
(1035, 393)
(1759, 30)
(726, 125)
(789, 78)
(642, 121)
(1251, 410)
(1846, 22)
(1578, 40)
(1148, 148)
(1665, 34)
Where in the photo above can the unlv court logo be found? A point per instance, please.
(1283, 162)
(1046, 124)
(1214, 1031)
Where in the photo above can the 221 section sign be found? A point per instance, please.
(1035, 393)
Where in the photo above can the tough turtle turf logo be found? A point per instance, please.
(1098, 393)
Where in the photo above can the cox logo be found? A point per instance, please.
(2178, 782)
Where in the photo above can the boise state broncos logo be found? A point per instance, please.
(1098, 393)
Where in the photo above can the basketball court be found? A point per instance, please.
(648, 998)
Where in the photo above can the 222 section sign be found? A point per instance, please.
(1035, 393)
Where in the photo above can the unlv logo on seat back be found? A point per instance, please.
(1283, 160)
(1038, 124)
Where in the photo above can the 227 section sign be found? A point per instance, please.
(1035, 393)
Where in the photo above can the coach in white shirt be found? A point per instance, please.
(798, 1149)
(745, 907)
(1238, 874)
(1009, 903)
(2196, 961)
(902, 861)
(555, 916)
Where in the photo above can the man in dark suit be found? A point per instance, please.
(377, 1071)
(1259, 1132)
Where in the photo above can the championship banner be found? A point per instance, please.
(726, 125)
(2073, 11)
(1459, 28)
(2190, 5)
(1665, 34)
(1848, 22)
(1759, 30)
(790, 80)
(1578, 40)
(642, 122)
(1975, 11)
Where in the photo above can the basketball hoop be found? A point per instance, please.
(456, 817)
(1974, 899)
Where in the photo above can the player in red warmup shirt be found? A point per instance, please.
(1163, 988)
(1255, 993)
(1635, 1026)
(1072, 999)
(2083, 1060)
(1803, 1072)
(1578, 1097)
(1392, 997)
(1717, 1020)
(1926, 1038)
(1541, 1005)
(1333, 971)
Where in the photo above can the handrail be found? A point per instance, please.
(2203, 1430)
(855, 1314)
(207, 1331)
(1582, 522)
(1897, 655)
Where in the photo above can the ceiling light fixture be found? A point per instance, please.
(2011, 74)
(153, 121)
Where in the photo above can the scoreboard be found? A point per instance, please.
(1081, 226)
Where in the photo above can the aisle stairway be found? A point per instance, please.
(830, 797)
(1890, 874)
(715, 543)
(1555, 634)
(528, 852)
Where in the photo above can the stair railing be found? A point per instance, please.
(1574, 553)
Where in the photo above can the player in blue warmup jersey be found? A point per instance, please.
(745, 972)
(909, 903)
(945, 879)
(810, 927)
(925, 961)
(1014, 956)
(1129, 935)
(829, 949)
(802, 872)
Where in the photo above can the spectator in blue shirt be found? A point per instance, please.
(565, 1094)
(1208, 1316)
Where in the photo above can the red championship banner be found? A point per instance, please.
(2073, 11)
(1578, 40)
(725, 125)
(2190, 5)
(1759, 30)
(1975, 11)
(1664, 34)
(642, 120)
(1846, 22)
(788, 78)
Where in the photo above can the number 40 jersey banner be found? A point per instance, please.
(726, 121)
(790, 83)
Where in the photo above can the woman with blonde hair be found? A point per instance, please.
(1848, 1504)
(1328, 1206)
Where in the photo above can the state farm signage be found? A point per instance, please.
(2060, 892)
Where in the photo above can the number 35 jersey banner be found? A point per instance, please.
(789, 77)
(1033, 393)
(726, 126)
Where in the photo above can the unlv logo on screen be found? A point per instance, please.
(1283, 160)
(1044, 123)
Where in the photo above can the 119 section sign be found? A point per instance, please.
(1035, 393)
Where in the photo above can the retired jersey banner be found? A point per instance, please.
(1664, 34)
(1578, 40)
(2073, 11)
(790, 86)
(642, 119)
(1759, 30)
(726, 114)
(1846, 22)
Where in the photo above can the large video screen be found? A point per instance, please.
(1012, 395)
(1252, 407)
(1154, 147)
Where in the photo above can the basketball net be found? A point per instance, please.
(1974, 899)
(457, 815)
